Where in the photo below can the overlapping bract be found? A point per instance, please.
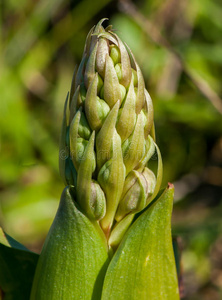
(108, 134)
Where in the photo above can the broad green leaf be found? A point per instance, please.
(7, 240)
(74, 258)
(17, 267)
(144, 265)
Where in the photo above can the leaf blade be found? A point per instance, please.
(144, 265)
(17, 267)
(73, 261)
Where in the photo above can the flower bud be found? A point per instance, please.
(135, 193)
(97, 201)
(108, 134)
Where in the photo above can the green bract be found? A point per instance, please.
(108, 133)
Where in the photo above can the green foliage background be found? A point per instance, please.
(42, 41)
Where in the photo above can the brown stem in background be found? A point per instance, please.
(127, 7)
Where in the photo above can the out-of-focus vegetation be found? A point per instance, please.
(42, 41)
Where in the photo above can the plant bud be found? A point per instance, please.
(97, 201)
(134, 195)
(108, 133)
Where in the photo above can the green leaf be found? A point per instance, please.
(74, 258)
(17, 267)
(143, 266)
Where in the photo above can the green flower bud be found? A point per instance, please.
(108, 134)
(103, 109)
(149, 151)
(135, 193)
(151, 180)
(118, 71)
(95, 108)
(134, 147)
(84, 130)
(115, 54)
(100, 84)
(134, 77)
(122, 92)
(81, 145)
(97, 201)
(102, 51)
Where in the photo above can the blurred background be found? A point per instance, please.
(178, 44)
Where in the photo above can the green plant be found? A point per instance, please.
(111, 237)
